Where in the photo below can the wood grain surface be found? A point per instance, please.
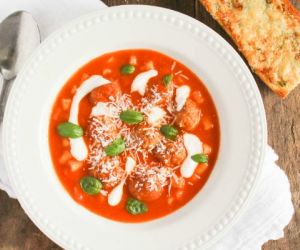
(18, 232)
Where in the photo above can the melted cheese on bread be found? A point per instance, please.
(267, 32)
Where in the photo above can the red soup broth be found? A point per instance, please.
(108, 65)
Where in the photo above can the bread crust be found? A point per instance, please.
(292, 9)
(267, 32)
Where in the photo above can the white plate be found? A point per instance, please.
(240, 109)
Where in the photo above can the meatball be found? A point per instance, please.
(147, 183)
(189, 117)
(148, 137)
(101, 129)
(103, 93)
(170, 153)
(109, 172)
(157, 94)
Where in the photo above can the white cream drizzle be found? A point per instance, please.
(182, 94)
(155, 115)
(115, 196)
(193, 146)
(78, 148)
(140, 81)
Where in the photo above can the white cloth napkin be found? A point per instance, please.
(269, 210)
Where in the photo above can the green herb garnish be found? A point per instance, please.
(131, 116)
(167, 79)
(282, 83)
(70, 130)
(200, 158)
(169, 132)
(115, 148)
(127, 69)
(90, 185)
(135, 207)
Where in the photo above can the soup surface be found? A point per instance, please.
(133, 135)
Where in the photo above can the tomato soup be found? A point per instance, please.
(133, 135)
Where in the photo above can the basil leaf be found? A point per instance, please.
(169, 132)
(135, 207)
(131, 116)
(200, 158)
(70, 130)
(167, 79)
(115, 148)
(127, 69)
(90, 185)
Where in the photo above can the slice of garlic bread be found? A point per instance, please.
(267, 32)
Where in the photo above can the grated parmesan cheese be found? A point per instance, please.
(142, 141)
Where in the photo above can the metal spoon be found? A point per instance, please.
(19, 36)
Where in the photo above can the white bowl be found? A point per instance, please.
(231, 85)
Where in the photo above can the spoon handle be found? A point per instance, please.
(3, 97)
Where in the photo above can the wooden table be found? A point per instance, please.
(18, 232)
